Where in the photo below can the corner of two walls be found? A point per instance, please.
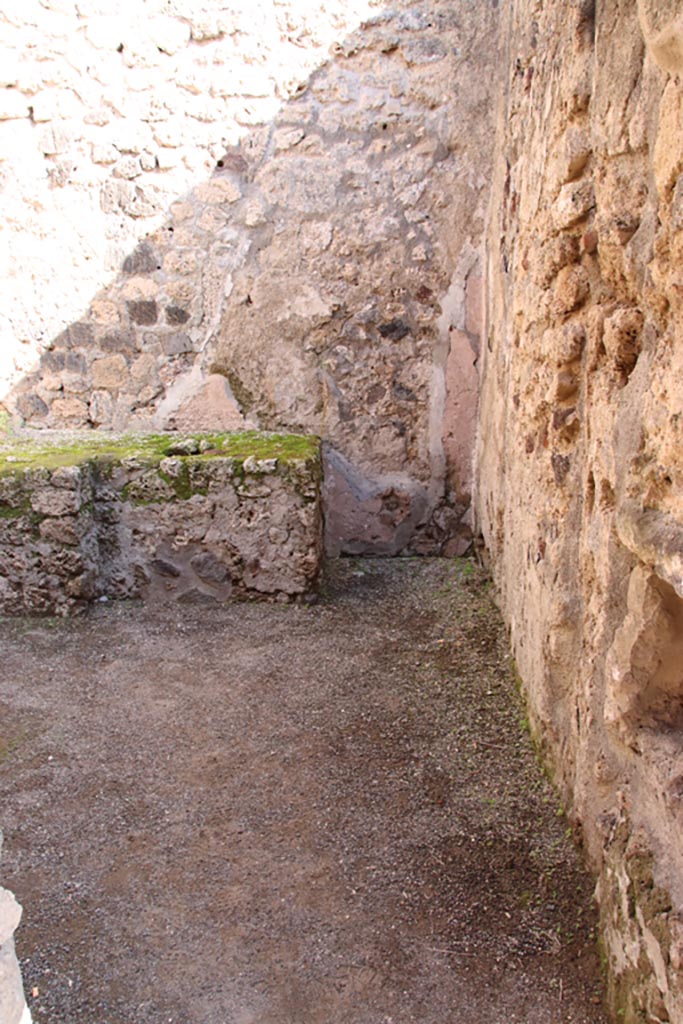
(579, 459)
(300, 284)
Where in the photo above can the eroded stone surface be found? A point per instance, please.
(580, 466)
(199, 519)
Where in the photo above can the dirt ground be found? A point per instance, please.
(288, 815)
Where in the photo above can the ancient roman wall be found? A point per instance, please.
(580, 461)
(205, 232)
(109, 112)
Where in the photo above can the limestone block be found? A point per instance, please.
(110, 372)
(168, 34)
(571, 290)
(576, 151)
(207, 24)
(219, 190)
(574, 202)
(69, 412)
(549, 258)
(127, 167)
(104, 154)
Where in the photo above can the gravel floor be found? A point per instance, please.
(288, 815)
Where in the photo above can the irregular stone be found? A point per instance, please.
(209, 568)
(365, 515)
(62, 531)
(394, 330)
(13, 105)
(212, 407)
(31, 407)
(574, 203)
(560, 251)
(176, 315)
(124, 342)
(143, 311)
(69, 411)
(571, 290)
(176, 344)
(50, 502)
(576, 154)
(142, 260)
(101, 409)
(110, 372)
(622, 338)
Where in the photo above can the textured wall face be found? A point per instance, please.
(580, 494)
(195, 520)
(323, 277)
(108, 112)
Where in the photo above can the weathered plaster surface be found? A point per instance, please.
(109, 111)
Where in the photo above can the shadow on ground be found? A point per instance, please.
(288, 815)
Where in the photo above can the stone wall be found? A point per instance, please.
(580, 462)
(108, 113)
(322, 274)
(199, 519)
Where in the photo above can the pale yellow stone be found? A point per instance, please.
(211, 220)
(104, 311)
(140, 288)
(219, 190)
(182, 211)
(181, 263)
(668, 152)
(69, 410)
(110, 372)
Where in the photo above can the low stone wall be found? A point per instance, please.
(193, 519)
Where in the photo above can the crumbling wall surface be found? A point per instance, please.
(322, 277)
(194, 520)
(580, 462)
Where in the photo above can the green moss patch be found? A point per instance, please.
(23, 454)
